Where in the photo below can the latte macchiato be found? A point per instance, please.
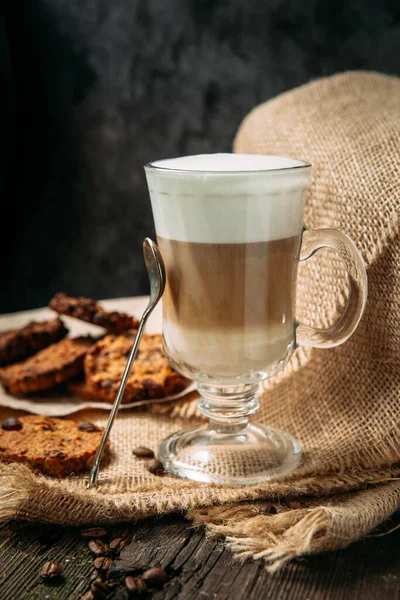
(230, 230)
(230, 245)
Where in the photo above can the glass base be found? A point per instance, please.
(235, 456)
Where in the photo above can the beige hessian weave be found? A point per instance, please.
(343, 404)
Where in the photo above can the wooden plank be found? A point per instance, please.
(198, 567)
(27, 548)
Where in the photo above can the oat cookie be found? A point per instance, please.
(151, 377)
(55, 364)
(54, 446)
(18, 344)
(90, 311)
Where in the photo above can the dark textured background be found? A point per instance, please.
(94, 89)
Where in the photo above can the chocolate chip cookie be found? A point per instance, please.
(18, 344)
(54, 446)
(55, 364)
(151, 377)
(90, 311)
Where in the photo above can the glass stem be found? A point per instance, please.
(227, 407)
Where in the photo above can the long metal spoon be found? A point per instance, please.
(156, 271)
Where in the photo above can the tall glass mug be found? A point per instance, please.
(230, 230)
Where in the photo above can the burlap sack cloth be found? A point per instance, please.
(342, 404)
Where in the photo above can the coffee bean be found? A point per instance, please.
(99, 548)
(102, 563)
(130, 584)
(117, 544)
(12, 424)
(135, 585)
(50, 570)
(155, 577)
(99, 590)
(87, 426)
(142, 452)
(94, 533)
(87, 596)
(267, 509)
(141, 585)
(155, 467)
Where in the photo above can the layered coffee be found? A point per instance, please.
(230, 244)
(228, 308)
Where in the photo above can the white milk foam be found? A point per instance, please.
(228, 162)
(228, 198)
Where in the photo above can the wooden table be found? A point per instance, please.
(199, 568)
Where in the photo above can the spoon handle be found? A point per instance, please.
(94, 471)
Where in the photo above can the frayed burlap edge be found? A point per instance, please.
(319, 523)
(278, 538)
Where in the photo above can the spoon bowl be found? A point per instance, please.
(155, 270)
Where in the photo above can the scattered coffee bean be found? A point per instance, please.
(94, 533)
(99, 590)
(130, 583)
(267, 509)
(87, 426)
(102, 563)
(155, 577)
(51, 570)
(294, 504)
(135, 585)
(155, 467)
(99, 548)
(142, 452)
(12, 424)
(141, 585)
(117, 544)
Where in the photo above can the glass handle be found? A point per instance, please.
(347, 323)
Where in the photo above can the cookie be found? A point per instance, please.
(90, 311)
(151, 376)
(82, 389)
(55, 364)
(54, 446)
(18, 344)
